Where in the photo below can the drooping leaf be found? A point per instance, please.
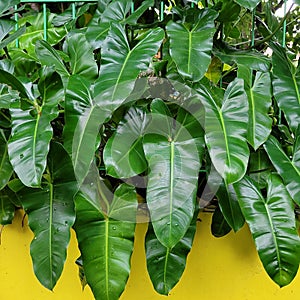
(259, 100)
(106, 240)
(82, 60)
(6, 169)
(7, 208)
(226, 129)
(219, 226)
(166, 265)
(123, 153)
(31, 131)
(51, 215)
(174, 163)
(288, 169)
(273, 227)
(286, 85)
(190, 47)
(250, 58)
(249, 4)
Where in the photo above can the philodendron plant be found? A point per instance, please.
(123, 110)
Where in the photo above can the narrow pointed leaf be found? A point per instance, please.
(5, 5)
(226, 129)
(260, 100)
(106, 241)
(123, 153)
(82, 60)
(51, 215)
(273, 227)
(286, 85)
(31, 132)
(190, 48)
(287, 169)
(166, 265)
(6, 169)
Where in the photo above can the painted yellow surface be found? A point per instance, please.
(225, 268)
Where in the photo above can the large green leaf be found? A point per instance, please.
(288, 169)
(106, 240)
(260, 100)
(31, 131)
(226, 129)
(82, 60)
(174, 162)
(190, 47)
(250, 4)
(6, 5)
(286, 85)
(51, 214)
(123, 153)
(83, 118)
(6, 169)
(89, 110)
(7, 208)
(166, 265)
(273, 227)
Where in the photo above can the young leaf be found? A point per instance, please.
(51, 214)
(226, 129)
(260, 100)
(105, 240)
(273, 227)
(286, 85)
(288, 169)
(31, 131)
(190, 48)
(166, 265)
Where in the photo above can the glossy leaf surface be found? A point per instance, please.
(51, 215)
(288, 169)
(219, 226)
(7, 208)
(190, 47)
(166, 265)
(273, 227)
(286, 85)
(106, 240)
(31, 131)
(259, 100)
(6, 169)
(226, 129)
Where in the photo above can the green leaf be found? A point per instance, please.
(230, 207)
(7, 209)
(123, 153)
(82, 60)
(122, 65)
(31, 133)
(219, 226)
(6, 5)
(250, 58)
(48, 56)
(289, 170)
(190, 47)
(35, 31)
(174, 163)
(230, 11)
(273, 227)
(249, 4)
(259, 100)
(106, 240)
(83, 118)
(6, 169)
(51, 215)
(226, 129)
(166, 265)
(13, 37)
(286, 85)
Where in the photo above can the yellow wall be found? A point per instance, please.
(226, 268)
